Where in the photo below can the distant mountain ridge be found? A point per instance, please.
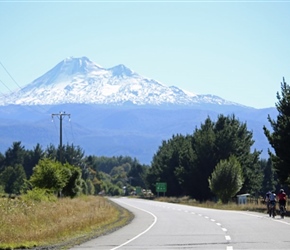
(104, 130)
(79, 80)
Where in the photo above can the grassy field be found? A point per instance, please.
(60, 223)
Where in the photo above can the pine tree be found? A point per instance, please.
(279, 137)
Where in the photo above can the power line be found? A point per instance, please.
(73, 137)
(6, 86)
(30, 106)
(56, 129)
(10, 75)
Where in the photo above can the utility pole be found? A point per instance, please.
(60, 116)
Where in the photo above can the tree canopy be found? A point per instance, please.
(186, 162)
(77, 174)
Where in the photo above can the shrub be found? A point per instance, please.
(38, 194)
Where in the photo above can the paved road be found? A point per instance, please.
(159, 226)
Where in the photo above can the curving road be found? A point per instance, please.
(159, 225)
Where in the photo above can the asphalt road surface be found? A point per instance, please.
(159, 226)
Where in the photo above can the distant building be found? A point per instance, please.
(242, 198)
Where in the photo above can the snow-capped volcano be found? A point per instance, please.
(79, 80)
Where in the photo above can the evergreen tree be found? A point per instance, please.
(51, 152)
(70, 154)
(73, 155)
(270, 178)
(185, 168)
(13, 179)
(203, 144)
(15, 154)
(32, 158)
(216, 141)
(172, 164)
(137, 175)
(73, 180)
(279, 137)
(2, 162)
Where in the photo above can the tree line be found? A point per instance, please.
(22, 170)
(190, 163)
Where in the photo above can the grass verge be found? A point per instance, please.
(59, 224)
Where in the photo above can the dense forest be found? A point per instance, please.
(75, 174)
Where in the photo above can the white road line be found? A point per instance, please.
(228, 238)
(145, 231)
(263, 216)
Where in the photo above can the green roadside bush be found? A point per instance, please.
(38, 195)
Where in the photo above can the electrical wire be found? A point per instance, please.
(30, 106)
(34, 107)
(10, 75)
(65, 133)
(57, 130)
(6, 86)
(71, 129)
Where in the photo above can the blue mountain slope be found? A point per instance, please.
(112, 131)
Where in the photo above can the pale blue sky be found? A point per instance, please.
(238, 50)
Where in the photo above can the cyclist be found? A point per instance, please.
(272, 203)
(267, 200)
(282, 197)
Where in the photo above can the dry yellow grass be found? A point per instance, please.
(252, 205)
(28, 224)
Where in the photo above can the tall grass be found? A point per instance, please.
(26, 223)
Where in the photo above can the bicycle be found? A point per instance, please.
(282, 211)
(272, 212)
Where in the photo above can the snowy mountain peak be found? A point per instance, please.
(79, 80)
(121, 70)
(72, 65)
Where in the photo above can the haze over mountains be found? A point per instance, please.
(114, 111)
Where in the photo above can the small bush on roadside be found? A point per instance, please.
(38, 194)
